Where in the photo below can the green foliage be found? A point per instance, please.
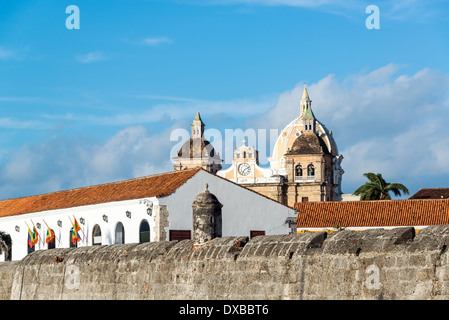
(378, 189)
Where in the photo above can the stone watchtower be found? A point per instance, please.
(207, 222)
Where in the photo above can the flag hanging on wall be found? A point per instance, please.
(32, 236)
(75, 231)
(50, 235)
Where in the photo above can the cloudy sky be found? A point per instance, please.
(112, 99)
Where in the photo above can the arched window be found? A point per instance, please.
(96, 236)
(72, 245)
(311, 170)
(119, 233)
(52, 242)
(298, 171)
(144, 231)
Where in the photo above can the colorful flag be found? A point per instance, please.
(32, 236)
(75, 231)
(50, 235)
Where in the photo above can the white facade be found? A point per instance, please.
(113, 212)
(243, 211)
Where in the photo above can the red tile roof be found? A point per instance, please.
(159, 185)
(431, 193)
(381, 213)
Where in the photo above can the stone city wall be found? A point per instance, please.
(373, 264)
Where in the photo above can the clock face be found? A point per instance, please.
(244, 169)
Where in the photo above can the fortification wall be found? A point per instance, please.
(7, 271)
(373, 264)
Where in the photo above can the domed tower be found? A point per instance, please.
(207, 221)
(306, 153)
(197, 151)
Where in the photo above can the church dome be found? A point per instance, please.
(296, 129)
(196, 148)
(308, 143)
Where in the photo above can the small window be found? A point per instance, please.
(256, 233)
(119, 234)
(305, 199)
(298, 171)
(96, 236)
(144, 232)
(180, 235)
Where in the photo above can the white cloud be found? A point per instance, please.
(400, 10)
(10, 123)
(174, 108)
(91, 57)
(383, 121)
(63, 163)
(156, 41)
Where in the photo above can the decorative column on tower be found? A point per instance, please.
(207, 221)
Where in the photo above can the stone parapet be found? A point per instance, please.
(372, 264)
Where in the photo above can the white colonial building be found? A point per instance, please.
(152, 208)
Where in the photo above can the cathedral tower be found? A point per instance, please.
(304, 166)
(197, 151)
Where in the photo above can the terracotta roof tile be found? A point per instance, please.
(159, 185)
(372, 213)
(431, 193)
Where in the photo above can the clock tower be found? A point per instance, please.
(245, 170)
(245, 165)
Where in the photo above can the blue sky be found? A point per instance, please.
(99, 104)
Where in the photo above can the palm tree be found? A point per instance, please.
(378, 189)
(5, 243)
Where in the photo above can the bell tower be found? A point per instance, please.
(197, 127)
(308, 118)
(197, 151)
